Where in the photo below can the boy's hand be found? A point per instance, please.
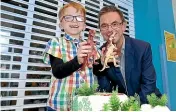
(83, 50)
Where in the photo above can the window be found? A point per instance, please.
(52, 1)
(45, 12)
(17, 58)
(10, 75)
(45, 5)
(35, 109)
(17, 50)
(15, 42)
(43, 32)
(16, 34)
(18, 4)
(37, 84)
(8, 93)
(9, 84)
(44, 18)
(35, 101)
(8, 103)
(4, 75)
(5, 57)
(11, 50)
(33, 52)
(34, 60)
(13, 10)
(5, 66)
(38, 76)
(15, 75)
(33, 37)
(13, 18)
(91, 4)
(11, 25)
(29, 93)
(16, 67)
(44, 25)
(36, 68)
(37, 45)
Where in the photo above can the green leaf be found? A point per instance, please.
(125, 106)
(163, 100)
(154, 100)
(85, 90)
(115, 101)
(132, 104)
(135, 106)
(106, 107)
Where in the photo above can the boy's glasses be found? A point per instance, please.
(70, 18)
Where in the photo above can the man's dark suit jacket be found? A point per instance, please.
(140, 74)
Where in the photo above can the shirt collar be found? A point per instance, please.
(123, 46)
(68, 37)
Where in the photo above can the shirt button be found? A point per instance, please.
(81, 81)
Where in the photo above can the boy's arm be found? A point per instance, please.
(60, 69)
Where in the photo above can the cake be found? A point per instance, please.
(96, 102)
(87, 99)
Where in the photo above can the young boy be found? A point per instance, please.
(66, 55)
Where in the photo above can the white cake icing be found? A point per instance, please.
(97, 101)
(149, 108)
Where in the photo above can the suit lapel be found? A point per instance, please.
(129, 58)
(115, 74)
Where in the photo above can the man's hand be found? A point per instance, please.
(83, 50)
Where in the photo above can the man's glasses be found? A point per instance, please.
(113, 25)
(70, 18)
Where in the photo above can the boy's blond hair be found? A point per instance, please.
(75, 5)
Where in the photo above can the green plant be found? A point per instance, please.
(132, 104)
(85, 90)
(106, 107)
(125, 106)
(115, 101)
(154, 100)
(163, 100)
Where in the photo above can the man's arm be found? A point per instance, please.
(60, 69)
(148, 79)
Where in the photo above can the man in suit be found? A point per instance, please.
(136, 73)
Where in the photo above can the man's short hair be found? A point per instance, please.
(111, 8)
(75, 5)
